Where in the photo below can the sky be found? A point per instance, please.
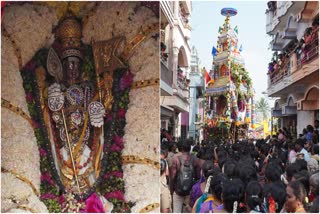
(251, 21)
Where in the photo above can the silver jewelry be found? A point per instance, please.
(96, 112)
(87, 134)
(75, 95)
(55, 97)
(56, 116)
(76, 117)
(54, 65)
(63, 135)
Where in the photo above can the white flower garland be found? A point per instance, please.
(19, 149)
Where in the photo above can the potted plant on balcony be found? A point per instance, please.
(165, 56)
(180, 73)
(187, 82)
(163, 47)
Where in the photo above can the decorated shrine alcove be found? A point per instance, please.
(25, 173)
(224, 71)
(222, 104)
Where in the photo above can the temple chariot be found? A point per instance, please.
(229, 98)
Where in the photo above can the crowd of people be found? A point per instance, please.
(276, 174)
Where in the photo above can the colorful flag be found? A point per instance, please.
(207, 77)
(240, 49)
(214, 51)
(236, 29)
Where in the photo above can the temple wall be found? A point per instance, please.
(30, 27)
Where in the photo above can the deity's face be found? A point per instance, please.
(72, 68)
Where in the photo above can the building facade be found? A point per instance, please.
(293, 73)
(175, 62)
(196, 87)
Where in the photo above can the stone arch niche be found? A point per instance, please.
(276, 110)
(277, 106)
(182, 58)
(291, 100)
(290, 107)
(311, 99)
(20, 154)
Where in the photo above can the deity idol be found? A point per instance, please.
(75, 110)
(77, 96)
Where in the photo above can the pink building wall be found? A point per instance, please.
(185, 118)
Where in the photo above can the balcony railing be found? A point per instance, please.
(166, 74)
(183, 83)
(310, 51)
(280, 73)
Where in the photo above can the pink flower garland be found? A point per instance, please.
(114, 173)
(116, 148)
(126, 81)
(29, 97)
(46, 177)
(115, 194)
(94, 204)
(42, 152)
(121, 113)
(48, 196)
(118, 140)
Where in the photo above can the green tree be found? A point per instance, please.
(263, 106)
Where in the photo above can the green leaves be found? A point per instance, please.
(52, 205)
(240, 75)
(41, 57)
(88, 64)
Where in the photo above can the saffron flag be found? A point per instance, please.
(207, 77)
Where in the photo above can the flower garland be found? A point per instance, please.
(110, 182)
(240, 75)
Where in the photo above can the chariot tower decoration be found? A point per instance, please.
(229, 93)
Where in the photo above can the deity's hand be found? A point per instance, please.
(96, 112)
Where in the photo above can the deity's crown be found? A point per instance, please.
(69, 33)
